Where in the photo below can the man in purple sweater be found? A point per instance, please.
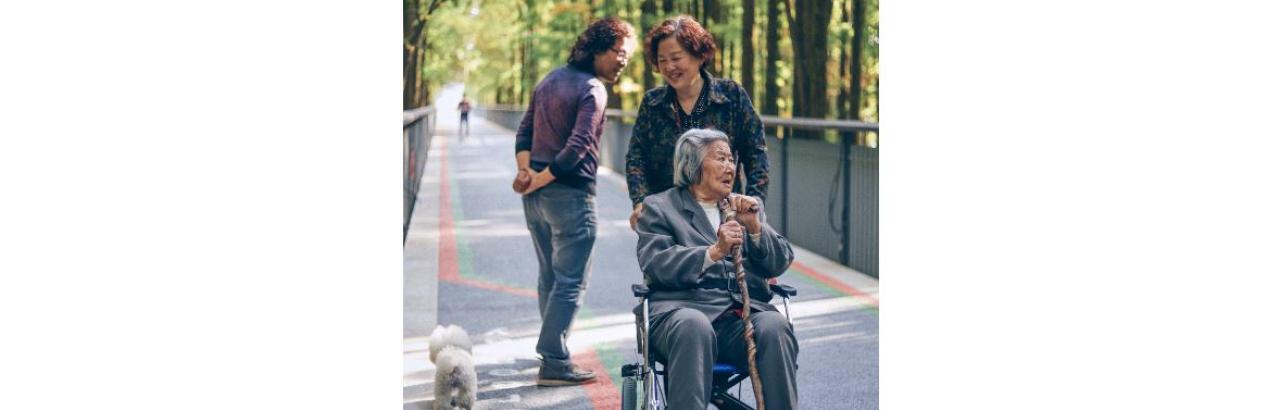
(557, 151)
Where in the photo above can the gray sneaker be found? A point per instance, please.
(570, 375)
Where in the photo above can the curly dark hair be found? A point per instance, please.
(694, 39)
(599, 37)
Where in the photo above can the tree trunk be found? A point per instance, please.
(522, 60)
(710, 14)
(846, 87)
(530, 76)
(668, 6)
(859, 40)
(714, 14)
(748, 66)
(648, 17)
(809, 39)
(416, 93)
(770, 106)
(855, 69)
(423, 91)
(409, 80)
(419, 87)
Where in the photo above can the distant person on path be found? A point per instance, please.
(557, 151)
(681, 50)
(683, 251)
(464, 126)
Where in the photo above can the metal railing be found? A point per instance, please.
(823, 192)
(419, 124)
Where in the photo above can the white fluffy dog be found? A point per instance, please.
(455, 373)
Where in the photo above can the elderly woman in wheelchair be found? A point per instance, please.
(691, 301)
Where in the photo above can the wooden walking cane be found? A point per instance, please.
(728, 213)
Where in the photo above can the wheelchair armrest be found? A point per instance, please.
(783, 290)
(639, 290)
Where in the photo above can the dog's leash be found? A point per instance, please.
(727, 213)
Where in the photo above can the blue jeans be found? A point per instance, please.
(562, 221)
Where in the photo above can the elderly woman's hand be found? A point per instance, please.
(748, 211)
(729, 234)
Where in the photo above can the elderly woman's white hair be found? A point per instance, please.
(691, 150)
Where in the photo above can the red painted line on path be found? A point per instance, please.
(603, 393)
(835, 284)
(449, 239)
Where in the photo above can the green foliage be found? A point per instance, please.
(489, 51)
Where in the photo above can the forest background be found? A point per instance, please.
(500, 49)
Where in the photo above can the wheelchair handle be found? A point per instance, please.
(783, 290)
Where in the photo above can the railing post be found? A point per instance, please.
(846, 145)
(786, 136)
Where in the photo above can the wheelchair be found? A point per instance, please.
(646, 375)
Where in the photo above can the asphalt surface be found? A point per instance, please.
(485, 282)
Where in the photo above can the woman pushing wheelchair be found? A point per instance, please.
(694, 300)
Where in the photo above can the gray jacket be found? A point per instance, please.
(674, 237)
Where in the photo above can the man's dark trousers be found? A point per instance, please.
(562, 221)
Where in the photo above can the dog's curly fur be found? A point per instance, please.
(455, 384)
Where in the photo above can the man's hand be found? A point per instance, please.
(522, 181)
(748, 211)
(540, 180)
(635, 215)
(729, 234)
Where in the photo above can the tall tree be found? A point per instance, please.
(416, 17)
(648, 17)
(852, 35)
(523, 52)
(861, 30)
(809, 25)
(710, 21)
(412, 31)
(748, 67)
(846, 86)
(772, 37)
(530, 70)
(855, 66)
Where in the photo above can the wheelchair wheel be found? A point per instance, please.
(630, 381)
(629, 401)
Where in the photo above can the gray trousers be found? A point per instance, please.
(562, 221)
(689, 345)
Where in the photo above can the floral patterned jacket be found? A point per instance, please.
(653, 140)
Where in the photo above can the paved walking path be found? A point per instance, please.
(469, 261)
